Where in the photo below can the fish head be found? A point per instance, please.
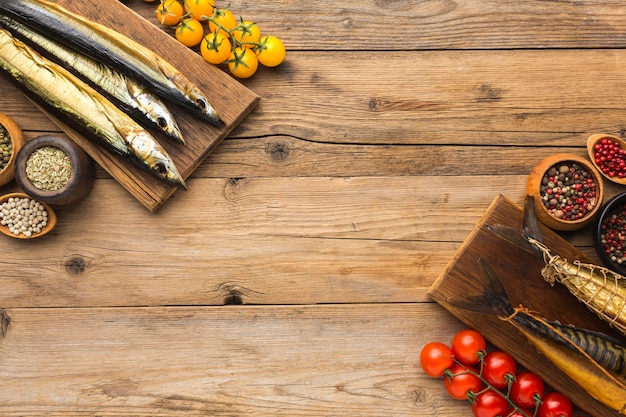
(156, 111)
(147, 150)
(200, 101)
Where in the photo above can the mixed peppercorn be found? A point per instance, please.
(568, 191)
(613, 235)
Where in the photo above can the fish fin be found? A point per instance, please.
(530, 223)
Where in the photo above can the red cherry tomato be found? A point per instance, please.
(466, 345)
(512, 413)
(435, 358)
(526, 388)
(555, 404)
(498, 368)
(490, 404)
(462, 382)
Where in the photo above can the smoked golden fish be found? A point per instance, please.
(83, 108)
(130, 96)
(113, 49)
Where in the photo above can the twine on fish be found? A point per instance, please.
(589, 283)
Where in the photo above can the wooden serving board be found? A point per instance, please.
(520, 274)
(232, 100)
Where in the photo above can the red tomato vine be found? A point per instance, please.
(490, 381)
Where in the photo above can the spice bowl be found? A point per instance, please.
(608, 154)
(609, 234)
(22, 217)
(568, 191)
(11, 141)
(54, 170)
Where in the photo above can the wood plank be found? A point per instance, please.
(231, 99)
(520, 274)
(481, 24)
(436, 98)
(261, 241)
(254, 361)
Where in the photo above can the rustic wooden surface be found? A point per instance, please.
(292, 278)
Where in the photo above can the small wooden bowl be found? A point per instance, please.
(592, 141)
(613, 206)
(52, 218)
(78, 185)
(7, 173)
(533, 188)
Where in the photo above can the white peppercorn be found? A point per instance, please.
(23, 215)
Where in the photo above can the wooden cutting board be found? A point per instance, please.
(520, 274)
(231, 99)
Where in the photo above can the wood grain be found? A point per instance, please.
(292, 278)
(350, 360)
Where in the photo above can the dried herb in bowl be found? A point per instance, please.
(49, 168)
(6, 147)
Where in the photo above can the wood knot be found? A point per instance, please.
(75, 265)
(487, 93)
(231, 293)
(278, 151)
(419, 397)
(5, 322)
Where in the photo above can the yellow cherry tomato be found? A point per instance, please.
(242, 62)
(223, 19)
(271, 51)
(215, 48)
(246, 34)
(169, 12)
(199, 9)
(189, 32)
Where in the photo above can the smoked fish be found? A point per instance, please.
(113, 49)
(130, 96)
(83, 108)
(595, 361)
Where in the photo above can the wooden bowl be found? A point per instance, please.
(7, 173)
(533, 188)
(592, 141)
(79, 183)
(52, 218)
(615, 207)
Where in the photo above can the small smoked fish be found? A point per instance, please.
(111, 48)
(76, 103)
(132, 97)
(593, 360)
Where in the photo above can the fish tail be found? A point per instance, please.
(493, 300)
(530, 233)
(530, 223)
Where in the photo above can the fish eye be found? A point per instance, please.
(160, 168)
(162, 122)
(201, 103)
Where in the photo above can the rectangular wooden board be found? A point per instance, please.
(231, 99)
(520, 273)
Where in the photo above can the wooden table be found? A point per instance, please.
(291, 279)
